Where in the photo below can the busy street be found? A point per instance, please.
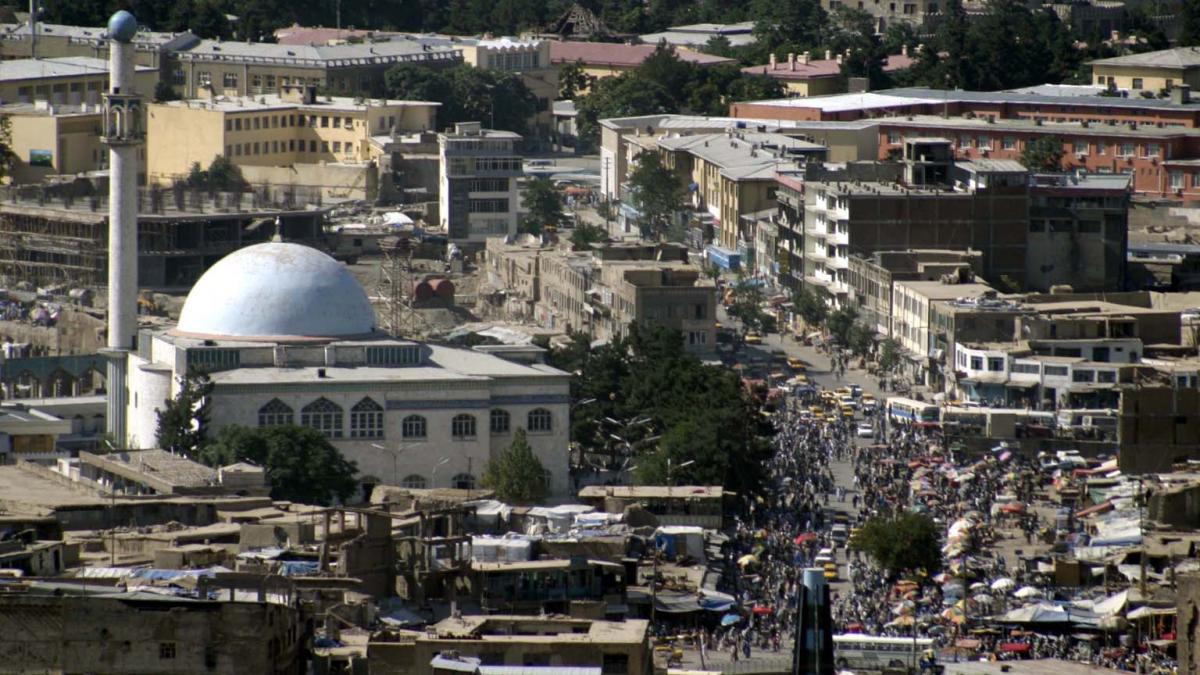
(830, 473)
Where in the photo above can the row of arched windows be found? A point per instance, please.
(366, 420)
(415, 481)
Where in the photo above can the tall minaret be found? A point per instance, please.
(123, 135)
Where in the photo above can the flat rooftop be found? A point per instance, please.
(652, 491)
(14, 70)
(367, 53)
(936, 290)
(276, 102)
(479, 627)
(158, 465)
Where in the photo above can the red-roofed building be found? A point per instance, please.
(803, 76)
(602, 59)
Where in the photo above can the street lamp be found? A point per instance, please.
(670, 482)
(395, 459)
(433, 478)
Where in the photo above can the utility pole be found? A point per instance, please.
(1142, 532)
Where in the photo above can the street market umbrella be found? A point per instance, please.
(1026, 592)
(730, 619)
(1003, 584)
(805, 537)
(1013, 507)
(983, 599)
(978, 586)
(762, 610)
(906, 620)
(954, 615)
(747, 560)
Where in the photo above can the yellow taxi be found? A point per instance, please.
(847, 412)
(796, 364)
(831, 572)
(754, 338)
(816, 410)
(843, 391)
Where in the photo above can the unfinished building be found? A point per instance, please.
(58, 235)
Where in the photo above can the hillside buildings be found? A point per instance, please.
(71, 80)
(1149, 72)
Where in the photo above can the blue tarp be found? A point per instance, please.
(298, 568)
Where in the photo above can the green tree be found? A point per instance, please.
(747, 308)
(301, 464)
(889, 355)
(7, 157)
(810, 307)
(544, 204)
(655, 191)
(467, 94)
(902, 544)
(1043, 154)
(860, 339)
(183, 420)
(573, 80)
(841, 322)
(718, 45)
(516, 475)
(795, 26)
(586, 234)
(624, 95)
(163, 92)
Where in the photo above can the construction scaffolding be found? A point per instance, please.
(395, 284)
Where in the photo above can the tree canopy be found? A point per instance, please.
(747, 308)
(496, 99)
(221, 175)
(656, 192)
(516, 475)
(906, 542)
(183, 420)
(1044, 153)
(544, 204)
(301, 464)
(670, 405)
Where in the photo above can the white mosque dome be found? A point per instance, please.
(276, 291)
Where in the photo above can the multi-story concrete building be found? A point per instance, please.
(258, 68)
(915, 13)
(606, 59)
(72, 80)
(913, 327)
(54, 140)
(872, 278)
(477, 183)
(988, 214)
(732, 175)
(291, 138)
(151, 49)
(1152, 72)
(1086, 216)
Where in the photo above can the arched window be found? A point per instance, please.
(463, 481)
(539, 420)
(323, 415)
(414, 481)
(501, 421)
(275, 413)
(366, 419)
(413, 426)
(462, 426)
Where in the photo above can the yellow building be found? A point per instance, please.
(254, 68)
(733, 174)
(65, 80)
(294, 128)
(1151, 71)
(151, 49)
(49, 140)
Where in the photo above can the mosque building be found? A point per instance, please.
(288, 336)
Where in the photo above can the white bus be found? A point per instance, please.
(867, 652)
(907, 410)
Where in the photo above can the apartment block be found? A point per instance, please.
(913, 326)
(259, 68)
(732, 175)
(478, 196)
(987, 213)
(872, 278)
(804, 75)
(67, 80)
(1151, 72)
(52, 140)
(151, 49)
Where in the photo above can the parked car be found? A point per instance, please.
(864, 430)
